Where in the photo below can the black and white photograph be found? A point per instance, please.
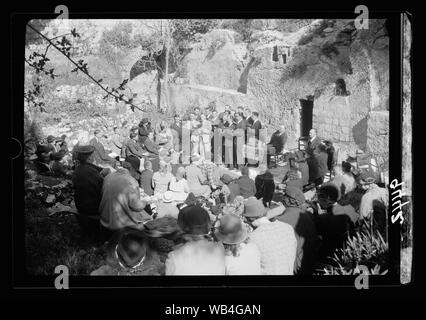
(216, 146)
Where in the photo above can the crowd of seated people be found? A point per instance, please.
(223, 222)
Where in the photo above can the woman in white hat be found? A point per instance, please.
(167, 206)
(179, 186)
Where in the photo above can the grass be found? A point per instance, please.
(56, 240)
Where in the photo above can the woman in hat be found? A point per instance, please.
(167, 206)
(161, 179)
(242, 257)
(199, 255)
(131, 254)
(179, 185)
(276, 240)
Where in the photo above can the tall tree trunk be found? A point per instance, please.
(166, 75)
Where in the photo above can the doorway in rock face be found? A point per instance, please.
(306, 115)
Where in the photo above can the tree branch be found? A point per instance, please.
(117, 97)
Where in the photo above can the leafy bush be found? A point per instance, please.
(364, 248)
(186, 29)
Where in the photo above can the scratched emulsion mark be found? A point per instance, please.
(407, 174)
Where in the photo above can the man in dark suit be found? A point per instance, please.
(87, 182)
(133, 148)
(176, 128)
(152, 148)
(248, 117)
(238, 141)
(146, 178)
(100, 156)
(257, 125)
(313, 152)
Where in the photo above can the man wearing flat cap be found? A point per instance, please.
(87, 181)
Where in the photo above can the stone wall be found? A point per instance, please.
(216, 60)
(184, 97)
(378, 136)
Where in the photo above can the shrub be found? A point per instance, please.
(363, 248)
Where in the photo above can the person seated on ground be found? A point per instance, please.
(100, 155)
(374, 198)
(149, 144)
(133, 168)
(144, 129)
(87, 182)
(230, 188)
(199, 255)
(132, 147)
(116, 142)
(164, 136)
(276, 240)
(131, 254)
(51, 144)
(121, 205)
(265, 185)
(277, 143)
(247, 185)
(167, 206)
(179, 186)
(197, 182)
(344, 179)
(161, 179)
(293, 176)
(303, 223)
(57, 168)
(328, 195)
(242, 257)
(63, 145)
(145, 180)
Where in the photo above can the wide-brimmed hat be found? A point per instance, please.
(231, 230)
(366, 177)
(295, 193)
(85, 149)
(226, 179)
(254, 208)
(50, 139)
(194, 220)
(168, 197)
(131, 248)
(144, 120)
